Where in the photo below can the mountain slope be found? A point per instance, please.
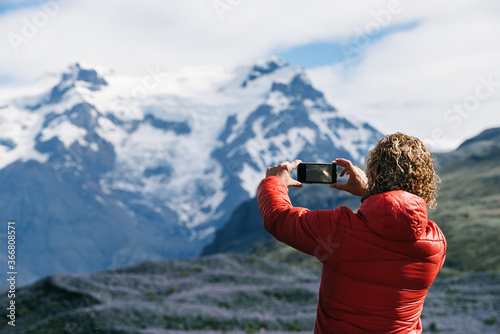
(468, 203)
(115, 169)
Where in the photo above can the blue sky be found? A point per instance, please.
(11, 5)
(332, 52)
(408, 64)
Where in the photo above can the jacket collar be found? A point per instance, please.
(395, 215)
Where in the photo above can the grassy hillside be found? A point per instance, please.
(222, 294)
(468, 208)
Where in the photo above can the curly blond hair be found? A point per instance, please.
(402, 162)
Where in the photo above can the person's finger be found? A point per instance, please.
(339, 161)
(284, 164)
(294, 164)
(348, 166)
(339, 186)
(342, 162)
(295, 183)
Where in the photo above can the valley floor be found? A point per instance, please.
(225, 293)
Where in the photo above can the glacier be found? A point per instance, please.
(133, 168)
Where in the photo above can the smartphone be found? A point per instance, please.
(308, 172)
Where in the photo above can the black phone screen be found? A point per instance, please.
(317, 173)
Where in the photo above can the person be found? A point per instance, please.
(377, 263)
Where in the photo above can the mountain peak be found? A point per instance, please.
(489, 135)
(93, 79)
(483, 147)
(264, 66)
(270, 62)
(89, 75)
(299, 87)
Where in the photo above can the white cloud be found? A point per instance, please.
(129, 35)
(406, 81)
(410, 81)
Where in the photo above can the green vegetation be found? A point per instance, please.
(433, 327)
(233, 294)
(468, 208)
(223, 293)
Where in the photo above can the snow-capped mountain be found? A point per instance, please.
(101, 170)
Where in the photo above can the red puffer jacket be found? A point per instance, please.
(377, 263)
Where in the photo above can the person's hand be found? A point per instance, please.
(357, 183)
(283, 170)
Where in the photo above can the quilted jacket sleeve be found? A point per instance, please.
(311, 232)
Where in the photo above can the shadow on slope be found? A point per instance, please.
(244, 232)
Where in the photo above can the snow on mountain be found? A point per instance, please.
(169, 155)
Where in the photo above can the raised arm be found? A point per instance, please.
(311, 232)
